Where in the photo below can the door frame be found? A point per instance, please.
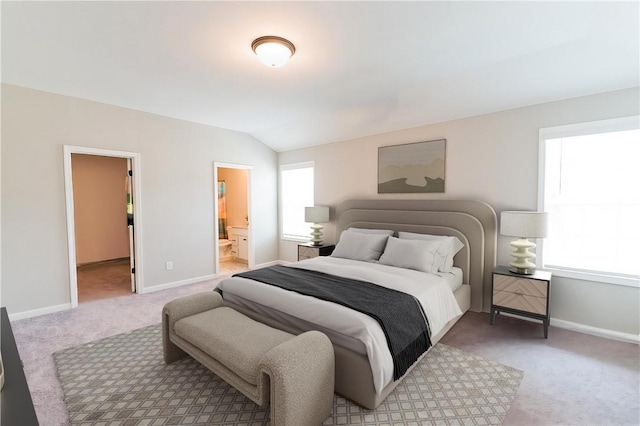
(71, 234)
(216, 247)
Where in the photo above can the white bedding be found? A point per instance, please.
(433, 292)
(454, 278)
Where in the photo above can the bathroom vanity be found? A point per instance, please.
(239, 237)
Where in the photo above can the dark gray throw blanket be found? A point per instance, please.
(399, 314)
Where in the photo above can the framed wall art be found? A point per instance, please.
(411, 168)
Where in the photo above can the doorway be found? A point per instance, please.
(233, 247)
(104, 254)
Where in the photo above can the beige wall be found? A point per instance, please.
(491, 158)
(100, 208)
(176, 170)
(236, 184)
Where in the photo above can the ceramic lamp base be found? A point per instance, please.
(316, 234)
(522, 263)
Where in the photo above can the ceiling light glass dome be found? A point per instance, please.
(273, 51)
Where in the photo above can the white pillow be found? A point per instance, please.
(360, 246)
(386, 232)
(411, 254)
(449, 247)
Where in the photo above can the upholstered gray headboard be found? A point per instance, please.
(473, 222)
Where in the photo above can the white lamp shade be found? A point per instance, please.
(524, 224)
(316, 214)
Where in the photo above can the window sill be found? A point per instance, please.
(295, 240)
(592, 276)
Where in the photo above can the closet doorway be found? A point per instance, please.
(233, 247)
(102, 195)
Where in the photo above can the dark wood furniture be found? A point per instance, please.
(307, 251)
(523, 295)
(17, 406)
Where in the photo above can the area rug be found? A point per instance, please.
(123, 380)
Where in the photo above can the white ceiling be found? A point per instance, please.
(360, 68)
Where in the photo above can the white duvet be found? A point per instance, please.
(432, 292)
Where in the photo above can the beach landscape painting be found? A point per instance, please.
(411, 168)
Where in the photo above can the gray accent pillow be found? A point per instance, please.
(449, 247)
(411, 254)
(360, 246)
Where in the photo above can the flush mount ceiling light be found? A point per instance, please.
(273, 51)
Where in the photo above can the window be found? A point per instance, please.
(590, 185)
(296, 193)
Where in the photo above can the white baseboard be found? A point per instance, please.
(67, 306)
(37, 312)
(586, 329)
(568, 325)
(594, 331)
(174, 284)
(180, 283)
(272, 263)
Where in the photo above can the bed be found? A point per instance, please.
(362, 365)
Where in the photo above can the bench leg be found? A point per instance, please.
(301, 373)
(171, 352)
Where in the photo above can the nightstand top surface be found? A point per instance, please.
(537, 275)
(315, 246)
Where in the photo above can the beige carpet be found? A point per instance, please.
(103, 280)
(122, 380)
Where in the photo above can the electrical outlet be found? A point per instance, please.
(169, 265)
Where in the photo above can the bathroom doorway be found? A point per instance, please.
(233, 248)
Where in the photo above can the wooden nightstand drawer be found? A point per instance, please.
(521, 302)
(307, 252)
(518, 285)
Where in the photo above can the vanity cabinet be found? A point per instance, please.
(239, 242)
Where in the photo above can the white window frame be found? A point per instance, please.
(580, 129)
(294, 166)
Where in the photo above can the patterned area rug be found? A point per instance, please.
(122, 380)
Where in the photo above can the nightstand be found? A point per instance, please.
(523, 295)
(307, 251)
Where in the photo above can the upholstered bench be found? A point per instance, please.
(294, 373)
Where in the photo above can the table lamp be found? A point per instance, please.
(524, 225)
(316, 215)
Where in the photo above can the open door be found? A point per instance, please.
(130, 222)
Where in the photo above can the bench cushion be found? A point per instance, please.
(233, 339)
